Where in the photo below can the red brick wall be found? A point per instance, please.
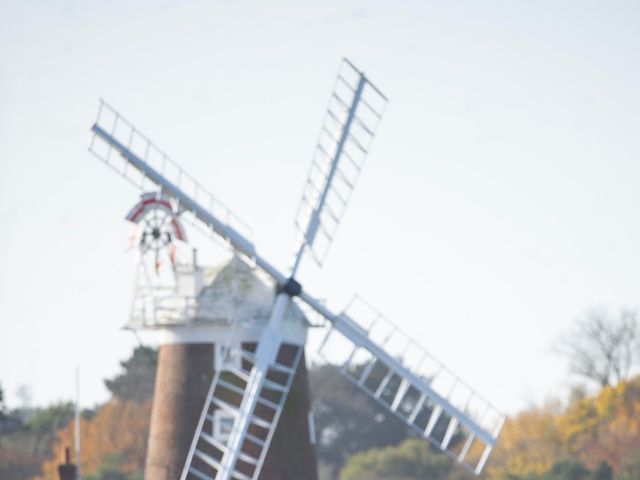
(182, 381)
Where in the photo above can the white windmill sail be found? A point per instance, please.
(130, 153)
(255, 394)
(388, 365)
(355, 109)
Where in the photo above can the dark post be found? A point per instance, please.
(67, 470)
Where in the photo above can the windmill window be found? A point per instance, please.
(222, 425)
(226, 357)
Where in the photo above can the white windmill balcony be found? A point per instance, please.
(150, 309)
(231, 294)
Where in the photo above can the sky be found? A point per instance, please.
(500, 200)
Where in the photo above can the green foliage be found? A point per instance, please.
(4, 418)
(15, 463)
(89, 413)
(136, 382)
(631, 468)
(411, 460)
(110, 470)
(347, 420)
(9, 421)
(603, 472)
(52, 418)
(569, 470)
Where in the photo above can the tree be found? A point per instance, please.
(24, 395)
(347, 420)
(48, 420)
(603, 472)
(114, 441)
(8, 422)
(3, 413)
(413, 459)
(26, 444)
(110, 470)
(114, 435)
(603, 348)
(136, 382)
(568, 470)
(601, 431)
(530, 443)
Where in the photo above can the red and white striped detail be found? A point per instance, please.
(151, 201)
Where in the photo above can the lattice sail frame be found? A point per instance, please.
(412, 384)
(110, 122)
(355, 109)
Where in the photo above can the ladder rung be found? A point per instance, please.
(319, 168)
(240, 476)
(465, 448)
(230, 386)
(451, 428)
(315, 190)
(325, 231)
(255, 439)
(345, 365)
(366, 371)
(371, 109)
(433, 419)
(357, 143)
(383, 384)
(338, 111)
(239, 373)
(274, 385)
(483, 459)
(324, 151)
(282, 368)
(247, 458)
(335, 118)
(225, 406)
(341, 101)
(329, 211)
(363, 125)
(199, 474)
(268, 403)
(247, 355)
(342, 200)
(400, 393)
(206, 458)
(330, 135)
(347, 84)
(353, 162)
(416, 409)
(344, 178)
(261, 422)
(213, 441)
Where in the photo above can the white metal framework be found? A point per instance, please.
(461, 424)
(354, 112)
(388, 365)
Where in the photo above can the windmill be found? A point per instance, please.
(380, 359)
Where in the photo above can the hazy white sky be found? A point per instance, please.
(500, 201)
